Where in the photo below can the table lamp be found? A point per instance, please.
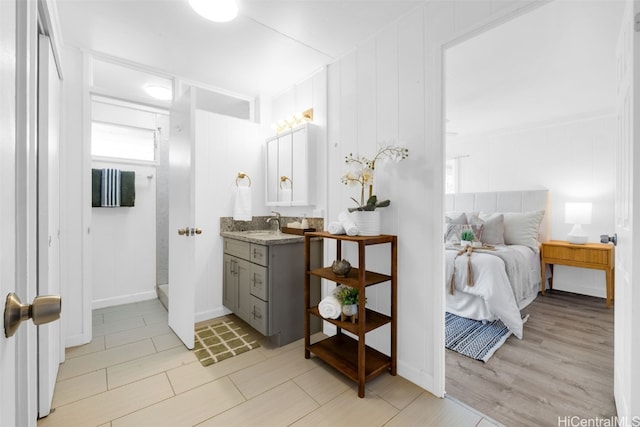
(577, 214)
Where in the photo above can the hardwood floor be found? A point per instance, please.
(562, 367)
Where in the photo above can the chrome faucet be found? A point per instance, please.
(276, 218)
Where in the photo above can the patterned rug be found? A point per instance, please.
(221, 340)
(475, 339)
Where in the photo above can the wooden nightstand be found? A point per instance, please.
(590, 255)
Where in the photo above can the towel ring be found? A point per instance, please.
(285, 179)
(242, 175)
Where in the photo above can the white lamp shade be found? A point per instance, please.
(578, 213)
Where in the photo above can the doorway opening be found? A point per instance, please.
(530, 104)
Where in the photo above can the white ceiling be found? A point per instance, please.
(556, 62)
(270, 46)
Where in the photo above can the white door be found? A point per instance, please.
(627, 211)
(51, 350)
(8, 364)
(17, 210)
(182, 217)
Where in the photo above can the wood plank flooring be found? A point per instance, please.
(563, 366)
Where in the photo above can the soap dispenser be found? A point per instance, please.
(305, 223)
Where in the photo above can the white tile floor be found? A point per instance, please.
(136, 372)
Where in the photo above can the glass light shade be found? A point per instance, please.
(578, 213)
(215, 10)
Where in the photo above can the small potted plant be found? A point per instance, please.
(348, 298)
(466, 237)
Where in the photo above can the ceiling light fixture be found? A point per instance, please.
(159, 92)
(215, 10)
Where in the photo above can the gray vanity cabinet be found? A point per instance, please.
(264, 286)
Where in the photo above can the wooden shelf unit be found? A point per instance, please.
(352, 357)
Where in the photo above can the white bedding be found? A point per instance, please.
(492, 296)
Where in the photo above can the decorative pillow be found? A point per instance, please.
(493, 228)
(522, 228)
(453, 227)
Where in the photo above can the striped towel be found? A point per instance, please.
(110, 188)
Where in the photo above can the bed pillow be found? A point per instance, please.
(492, 228)
(522, 228)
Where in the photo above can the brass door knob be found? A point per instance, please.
(196, 231)
(183, 231)
(45, 309)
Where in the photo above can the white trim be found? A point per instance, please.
(87, 241)
(48, 13)
(124, 299)
(122, 161)
(202, 316)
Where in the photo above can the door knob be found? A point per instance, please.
(196, 231)
(604, 238)
(45, 309)
(183, 231)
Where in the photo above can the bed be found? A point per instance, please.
(499, 281)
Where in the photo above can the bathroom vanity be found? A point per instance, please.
(263, 281)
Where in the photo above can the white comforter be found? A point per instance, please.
(492, 296)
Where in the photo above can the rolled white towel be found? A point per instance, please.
(330, 307)
(348, 224)
(336, 228)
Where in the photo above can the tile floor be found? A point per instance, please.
(136, 372)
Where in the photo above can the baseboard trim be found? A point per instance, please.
(124, 299)
(203, 316)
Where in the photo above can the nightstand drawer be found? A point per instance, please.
(586, 255)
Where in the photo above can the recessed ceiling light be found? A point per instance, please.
(215, 10)
(159, 92)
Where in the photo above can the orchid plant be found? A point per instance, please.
(361, 173)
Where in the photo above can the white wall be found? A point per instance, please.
(573, 160)
(124, 244)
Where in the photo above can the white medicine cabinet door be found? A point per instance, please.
(272, 178)
(285, 162)
(288, 168)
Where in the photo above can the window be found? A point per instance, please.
(124, 130)
(451, 176)
(123, 142)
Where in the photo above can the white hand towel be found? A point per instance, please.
(242, 204)
(348, 224)
(336, 228)
(330, 307)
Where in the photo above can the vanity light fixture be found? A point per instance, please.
(159, 92)
(577, 214)
(299, 118)
(216, 10)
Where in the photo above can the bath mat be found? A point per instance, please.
(473, 338)
(221, 340)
